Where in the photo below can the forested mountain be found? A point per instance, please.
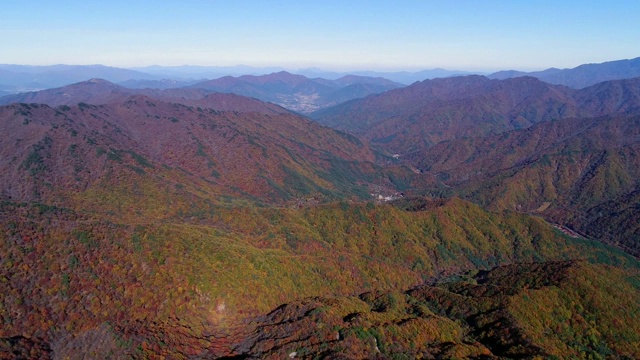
(181, 223)
(423, 114)
(257, 152)
(562, 169)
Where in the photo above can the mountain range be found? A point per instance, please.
(428, 112)
(463, 217)
(294, 92)
(17, 78)
(580, 76)
(20, 78)
(518, 144)
(298, 93)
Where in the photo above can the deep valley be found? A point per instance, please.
(280, 216)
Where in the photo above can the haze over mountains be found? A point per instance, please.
(581, 76)
(294, 92)
(458, 217)
(27, 77)
(17, 78)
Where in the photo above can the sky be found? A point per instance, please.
(332, 35)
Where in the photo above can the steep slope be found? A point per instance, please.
(562, 169)
(503, 313)
(179, 287)
(426, 113)
(611, 97)
(583, 75)
(163, 146)
(431, 111)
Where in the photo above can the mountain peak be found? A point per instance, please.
(98, 81)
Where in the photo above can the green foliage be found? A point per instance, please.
(34, 161)
(140, 159)
(137, 170)
(84, 237)
(114, 155)
(188, 265)
(297, 183)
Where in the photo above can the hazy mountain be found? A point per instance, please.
(402, 77)
(157, 84)
(204, 72)
(296, 92)
(98, 92)
(581, 76)
(25, 77)
(213, 72)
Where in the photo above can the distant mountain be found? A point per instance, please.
(402, 77)
(93, 91)
(99, 92)
(189, 72)
(24, 77)
(581, 76)
(296, 92)
(157, 84)
(214, 72)
(416, 117)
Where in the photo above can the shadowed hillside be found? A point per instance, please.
(144, 146)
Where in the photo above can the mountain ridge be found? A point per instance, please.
(425, 113)
(296, 92)
(479, 222)
(581, 76)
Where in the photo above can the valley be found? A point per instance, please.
(279, 216)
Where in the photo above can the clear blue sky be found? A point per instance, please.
(340, 35)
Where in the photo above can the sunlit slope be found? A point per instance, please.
(68, 276)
